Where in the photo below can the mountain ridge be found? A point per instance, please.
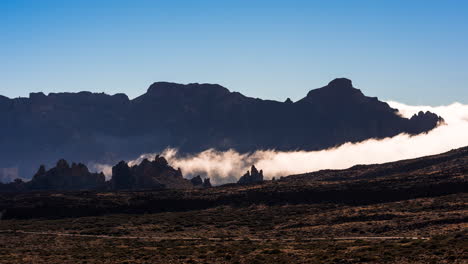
(191, 117)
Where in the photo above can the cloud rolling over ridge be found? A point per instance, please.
(228, 166)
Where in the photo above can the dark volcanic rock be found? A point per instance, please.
(423, 120)
(65, 177)
(199, 182)
(95, 127)
(122, 177)
(207, 183)
(251, 177)
(155, 174)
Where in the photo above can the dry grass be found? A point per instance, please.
(255, 234)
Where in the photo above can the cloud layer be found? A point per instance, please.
(228, 166)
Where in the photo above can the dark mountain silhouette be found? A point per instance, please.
(61, 177)
(103, 128)
(156, 174)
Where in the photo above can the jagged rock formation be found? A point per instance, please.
(156, 174)
(122, 177)
(199, 182)
(93, 127)
(423, 120)
(207, 183)
(251, 177)
(66, 177)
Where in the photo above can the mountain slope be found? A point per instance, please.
(102, 128)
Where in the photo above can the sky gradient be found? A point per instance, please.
(413, 52)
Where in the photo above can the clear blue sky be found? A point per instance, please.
(413, 51)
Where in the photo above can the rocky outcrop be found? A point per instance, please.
(66, 177)
(422, 122)
(207, 183)
(156, 174)
(251, 177)
(122, 177)
(199, 182)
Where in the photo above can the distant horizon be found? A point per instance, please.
(231, 90)
(408, 51)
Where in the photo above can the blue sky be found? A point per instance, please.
(412, 51)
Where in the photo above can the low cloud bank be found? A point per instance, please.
(228, 166)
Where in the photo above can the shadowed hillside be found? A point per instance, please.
(103, 128)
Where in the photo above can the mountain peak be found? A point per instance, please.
(164, 88)
(337, 88)
(340, 83)
(163, 85)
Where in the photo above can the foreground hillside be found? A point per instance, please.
(424, 230)
(412, 211)
(101, 128)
